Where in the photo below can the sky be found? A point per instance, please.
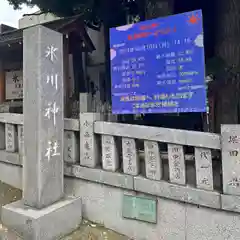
(9, 16)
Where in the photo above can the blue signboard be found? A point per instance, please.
(157, 66)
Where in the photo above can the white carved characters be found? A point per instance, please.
(52, 108)
(52, 150)
(51, 53)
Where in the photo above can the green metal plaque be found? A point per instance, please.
(140, 208)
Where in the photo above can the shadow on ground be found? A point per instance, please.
(87, 231)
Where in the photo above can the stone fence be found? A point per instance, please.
(187, 166)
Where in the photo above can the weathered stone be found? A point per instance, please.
(208, 224)
(20, 140)
(12, 158)
(177, 168)
(103, 204)
(85, 102)
(130, 157)
(167, 135)
(71, 124)
(100, 176)
(11, 137)
(230, 203)
(12, 118)
(89, 148)
(71, 148)
(43, 117)
(204, 170)
(153, 162)
(110, 155)
(231, 159)
(177, 192)
(45, 224)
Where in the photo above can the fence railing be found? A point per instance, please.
(152, 138)
(194, 167)
(12, 139)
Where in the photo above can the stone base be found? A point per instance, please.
(49, 223)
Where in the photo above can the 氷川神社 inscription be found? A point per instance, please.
(44, 120)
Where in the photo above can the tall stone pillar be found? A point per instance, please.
(52, 215)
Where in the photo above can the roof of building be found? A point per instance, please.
(63, 25)
(5, 28)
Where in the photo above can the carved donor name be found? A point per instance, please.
(231, 159)
(130, 157)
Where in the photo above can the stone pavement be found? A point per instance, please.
(87, 231)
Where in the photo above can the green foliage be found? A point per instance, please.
(59, 7)
(107, 11)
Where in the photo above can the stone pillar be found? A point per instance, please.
(43, 116)
(131, 164)
(20, 140)
(11, 137)
(230, 159)
(204, 170)
(71, 153)
(46, 209)
(153, 161)
(85, 102)
(89, 144)
(177, 168)
(110, 154)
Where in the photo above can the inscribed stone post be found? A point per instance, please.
(177, 169)
(71, 147)
(110, 157)
(43, 116)
(89, 148)
(153, 161)
(11, 137)
(130, 157)
(20, 140)
(230, 135)
(204, 171)
(85, 102)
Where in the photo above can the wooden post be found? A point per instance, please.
(2, 82)
(67, 106)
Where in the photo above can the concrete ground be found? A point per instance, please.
(87, 231)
